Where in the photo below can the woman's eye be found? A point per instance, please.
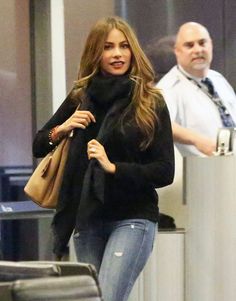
(107, 47)
(125, 46)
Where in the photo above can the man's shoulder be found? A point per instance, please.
(215, 74)
(170, 79)
(218, 78)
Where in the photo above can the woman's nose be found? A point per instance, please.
(117, 52)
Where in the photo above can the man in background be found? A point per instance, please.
(200, 100)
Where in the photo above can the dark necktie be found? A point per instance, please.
(226, 118)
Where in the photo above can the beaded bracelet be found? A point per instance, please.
(50, 136)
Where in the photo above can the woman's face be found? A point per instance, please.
(116, 57)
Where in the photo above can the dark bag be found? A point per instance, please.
(166, 222)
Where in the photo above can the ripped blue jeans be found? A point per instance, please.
(118, 250)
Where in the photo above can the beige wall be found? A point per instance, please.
(80, 15)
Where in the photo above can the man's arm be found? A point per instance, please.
(187, 136)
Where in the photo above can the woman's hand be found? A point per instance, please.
(80, 119)
(96, 150)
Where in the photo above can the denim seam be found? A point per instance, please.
(130, 284)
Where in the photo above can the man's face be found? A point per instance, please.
(194, 49)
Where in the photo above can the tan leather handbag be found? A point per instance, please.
(43, 187)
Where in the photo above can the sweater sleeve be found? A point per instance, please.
(158, 171)
(41, 144)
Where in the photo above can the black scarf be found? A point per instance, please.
(82, 191)
(105, 90)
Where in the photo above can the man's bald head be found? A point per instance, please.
(193, 48)
(188, 29)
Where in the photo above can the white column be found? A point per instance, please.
(58, 53)
(211, 229)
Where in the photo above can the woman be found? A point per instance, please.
(121, 150)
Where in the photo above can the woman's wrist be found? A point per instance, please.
(54, 135)
(112, 168)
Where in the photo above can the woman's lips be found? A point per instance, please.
(117, 64)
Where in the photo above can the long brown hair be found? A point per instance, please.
(145, 99)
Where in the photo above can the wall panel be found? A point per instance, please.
(15, 84)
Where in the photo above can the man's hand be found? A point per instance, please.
(187, 136)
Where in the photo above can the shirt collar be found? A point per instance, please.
(188, 75)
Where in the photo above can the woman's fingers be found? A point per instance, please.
(95, 149)
(80, 119)
(83, 117)
(89, 115)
